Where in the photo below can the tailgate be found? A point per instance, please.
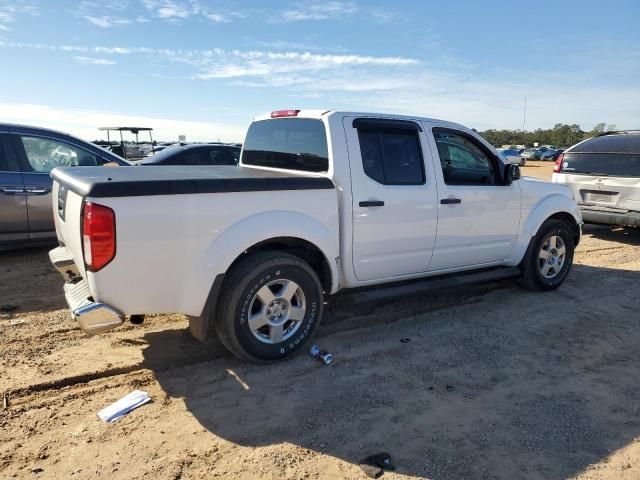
(617, 193)
(604, 180)
(67, 213)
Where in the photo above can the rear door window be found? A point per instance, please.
(288, 143)
(224, 156)
(391, 156)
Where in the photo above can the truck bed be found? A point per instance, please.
(175, 180)
(177, 228)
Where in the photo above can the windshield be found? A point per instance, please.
(288, 143)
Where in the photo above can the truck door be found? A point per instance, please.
(394, 197)
(14, 226)
(478, 215)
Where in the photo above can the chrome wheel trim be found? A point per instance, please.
(276, 311)
(551, 257)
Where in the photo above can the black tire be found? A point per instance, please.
(240, 300)
(532, 271)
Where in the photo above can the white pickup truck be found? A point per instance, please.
(322, 201)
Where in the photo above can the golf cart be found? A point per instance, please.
(130, 150)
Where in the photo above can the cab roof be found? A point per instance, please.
(320, 114)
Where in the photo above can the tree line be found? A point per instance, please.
(560, 135)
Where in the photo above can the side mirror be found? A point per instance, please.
(511, 173)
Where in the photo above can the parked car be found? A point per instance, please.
(27, 155)
(527, 153)
(512, 155)
(322, 201)
(604, 174)
(148, 150)
(551, 155)
(537, 155)
(195, 154)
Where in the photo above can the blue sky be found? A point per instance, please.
(204, 68)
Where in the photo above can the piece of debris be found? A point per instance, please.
(375, 465)
(7, 308)
(321, 355)
(405, 340)
(17, 321)
(5, 401)
(123, 406)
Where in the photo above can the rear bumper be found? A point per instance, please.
(93, 317)
(604, 217)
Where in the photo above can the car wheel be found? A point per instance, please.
(549, 257)
(272, 304)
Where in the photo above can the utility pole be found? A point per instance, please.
(524, 121)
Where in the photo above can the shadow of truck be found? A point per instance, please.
(494, 383)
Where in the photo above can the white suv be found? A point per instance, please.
(604, 174)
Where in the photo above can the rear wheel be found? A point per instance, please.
(271, 306)
(549, 257)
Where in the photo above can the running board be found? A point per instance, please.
(405, 289)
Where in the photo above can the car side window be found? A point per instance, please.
(4, 165)
(223, 156)
(192, 156)
(463, 161)
(44, 154)
(391, 156)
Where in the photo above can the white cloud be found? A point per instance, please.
(449, 89)
(10, 10)
(107, 22)
(94, 61)
(217, 18)
(319, 11)
(336, 10)
(85, 123)
(107, 15)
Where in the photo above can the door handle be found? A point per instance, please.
(372, 203)
(38, 190)
(450, 201)
(11, 190)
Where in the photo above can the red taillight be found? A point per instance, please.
(284, 113)
(558, 166)
(98, 236)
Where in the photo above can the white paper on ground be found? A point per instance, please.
(123, 406)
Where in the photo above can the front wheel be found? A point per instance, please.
(549, 257)
(271, 306)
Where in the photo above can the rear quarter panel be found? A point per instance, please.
(171, 247)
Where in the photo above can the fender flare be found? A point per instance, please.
(543, 210)
(249, 231)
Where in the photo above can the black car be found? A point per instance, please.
(551, 155)
(196, 154)
(27, 156)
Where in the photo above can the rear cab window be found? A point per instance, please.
(613, 155)
(287, 143)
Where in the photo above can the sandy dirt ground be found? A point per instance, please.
(494, 382)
